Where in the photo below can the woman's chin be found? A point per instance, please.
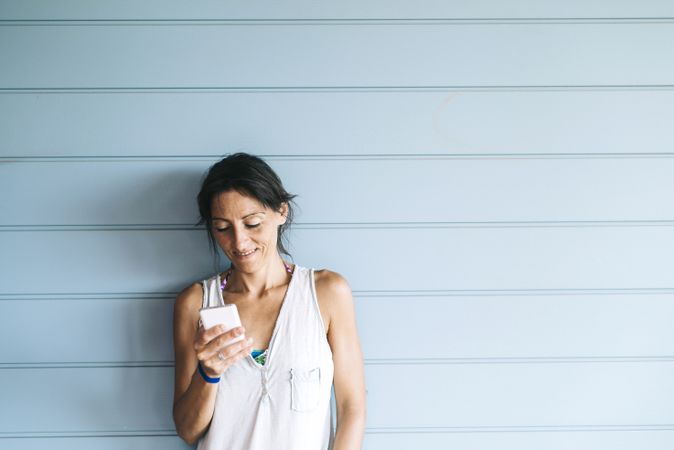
(247, 263)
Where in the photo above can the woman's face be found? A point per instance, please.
(246, 230)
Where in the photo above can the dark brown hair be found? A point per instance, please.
(249, 175)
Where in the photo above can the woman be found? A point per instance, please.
(270, 390)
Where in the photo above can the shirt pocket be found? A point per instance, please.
(305, 389)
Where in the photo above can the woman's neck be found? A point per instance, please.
(269, 276)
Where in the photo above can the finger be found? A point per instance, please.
(204, 337)
(234, 348)
(218, 365)
(235, 356)
(227, 351)
(221, 340)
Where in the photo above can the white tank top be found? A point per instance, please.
(285, 403)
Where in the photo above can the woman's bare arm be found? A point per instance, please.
(193, 397)
(349, 376)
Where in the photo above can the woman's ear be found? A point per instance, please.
(283, 210)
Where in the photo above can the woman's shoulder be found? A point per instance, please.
(331, 281)
(334, 298)
(196, 288)
(333, 293)
(189, 300)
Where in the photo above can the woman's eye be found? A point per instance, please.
(248, 225)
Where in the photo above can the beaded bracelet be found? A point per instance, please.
(206, 377)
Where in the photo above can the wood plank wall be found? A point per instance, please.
(493, 178)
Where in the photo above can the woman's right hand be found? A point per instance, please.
(209, 342)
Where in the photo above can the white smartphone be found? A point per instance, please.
(227, 315)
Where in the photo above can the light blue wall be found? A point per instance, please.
(493, 178)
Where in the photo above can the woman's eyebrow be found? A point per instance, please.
(252, 214)
(244, 217)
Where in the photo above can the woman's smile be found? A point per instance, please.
(245, 255)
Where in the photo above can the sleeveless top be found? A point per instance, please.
(285, 403)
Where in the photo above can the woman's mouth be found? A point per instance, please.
(246, 254)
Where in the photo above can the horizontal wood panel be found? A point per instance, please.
(339, 55)
(87, 330)
(152, 261)
(553, 326)
(512, 440)
(521, 394)
(337, 123)
(87, 400)
(98, 443)
(395, 440)
(491, 326)
(506, 395)
(307, 9)
(90, 192)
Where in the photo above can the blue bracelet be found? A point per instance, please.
(206, 377)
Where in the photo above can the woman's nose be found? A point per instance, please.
(240, 239)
